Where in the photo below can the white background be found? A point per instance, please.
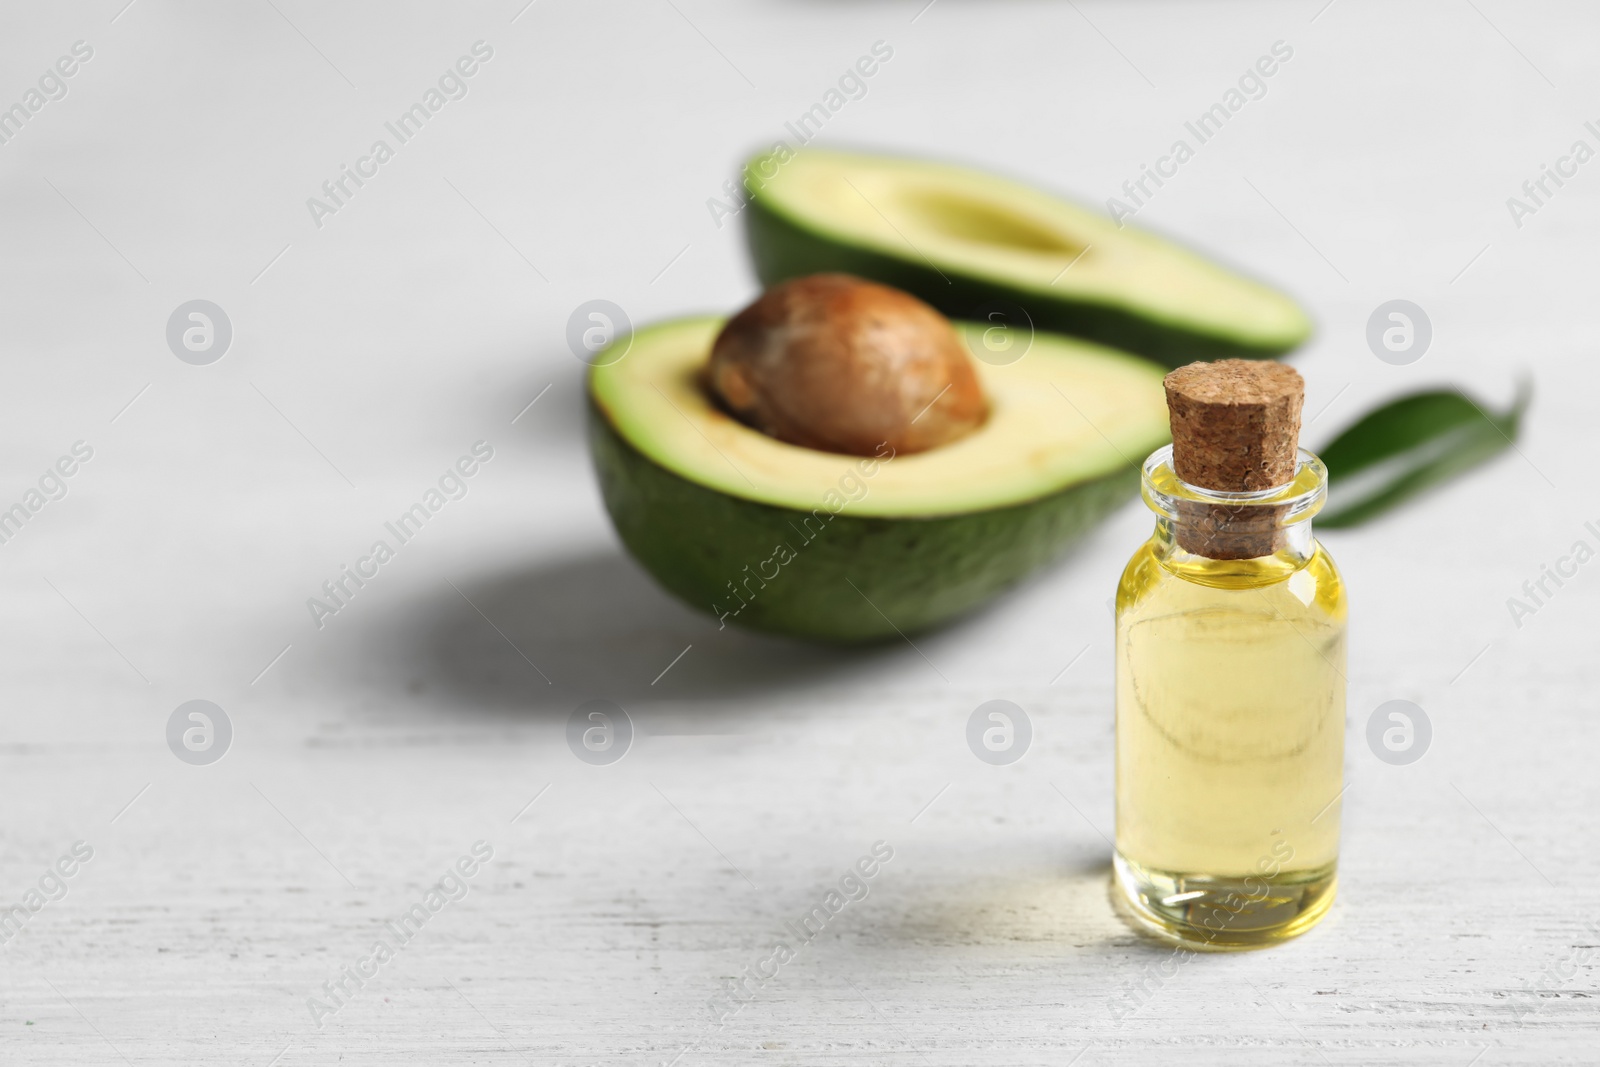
(375, 350)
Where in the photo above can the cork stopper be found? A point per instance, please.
(1235, 429)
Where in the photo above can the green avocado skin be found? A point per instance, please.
(854, 579)
(782, 250)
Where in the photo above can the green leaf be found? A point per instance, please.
(1401, 449)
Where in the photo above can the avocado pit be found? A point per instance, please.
(838, 364)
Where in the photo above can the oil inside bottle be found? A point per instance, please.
(1230, 733)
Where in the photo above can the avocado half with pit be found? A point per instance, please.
(843, 548)
(969, 243)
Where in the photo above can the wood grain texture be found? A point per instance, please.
(427, 712)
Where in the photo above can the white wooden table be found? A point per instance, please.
(429, 713)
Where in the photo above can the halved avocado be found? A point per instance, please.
(843, 548)
(963, 241)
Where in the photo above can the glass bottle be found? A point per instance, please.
(1230, 713)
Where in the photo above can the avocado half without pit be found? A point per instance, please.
(970, 243)
(832, 464)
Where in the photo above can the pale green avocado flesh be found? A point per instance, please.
(968, 242)
(774, 537)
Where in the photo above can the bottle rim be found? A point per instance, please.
(1298, 500)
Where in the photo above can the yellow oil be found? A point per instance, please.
(1230, 743)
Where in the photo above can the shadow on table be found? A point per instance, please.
(547, 638)
(1068, 905)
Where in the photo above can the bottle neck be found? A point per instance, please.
(1201, 531)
